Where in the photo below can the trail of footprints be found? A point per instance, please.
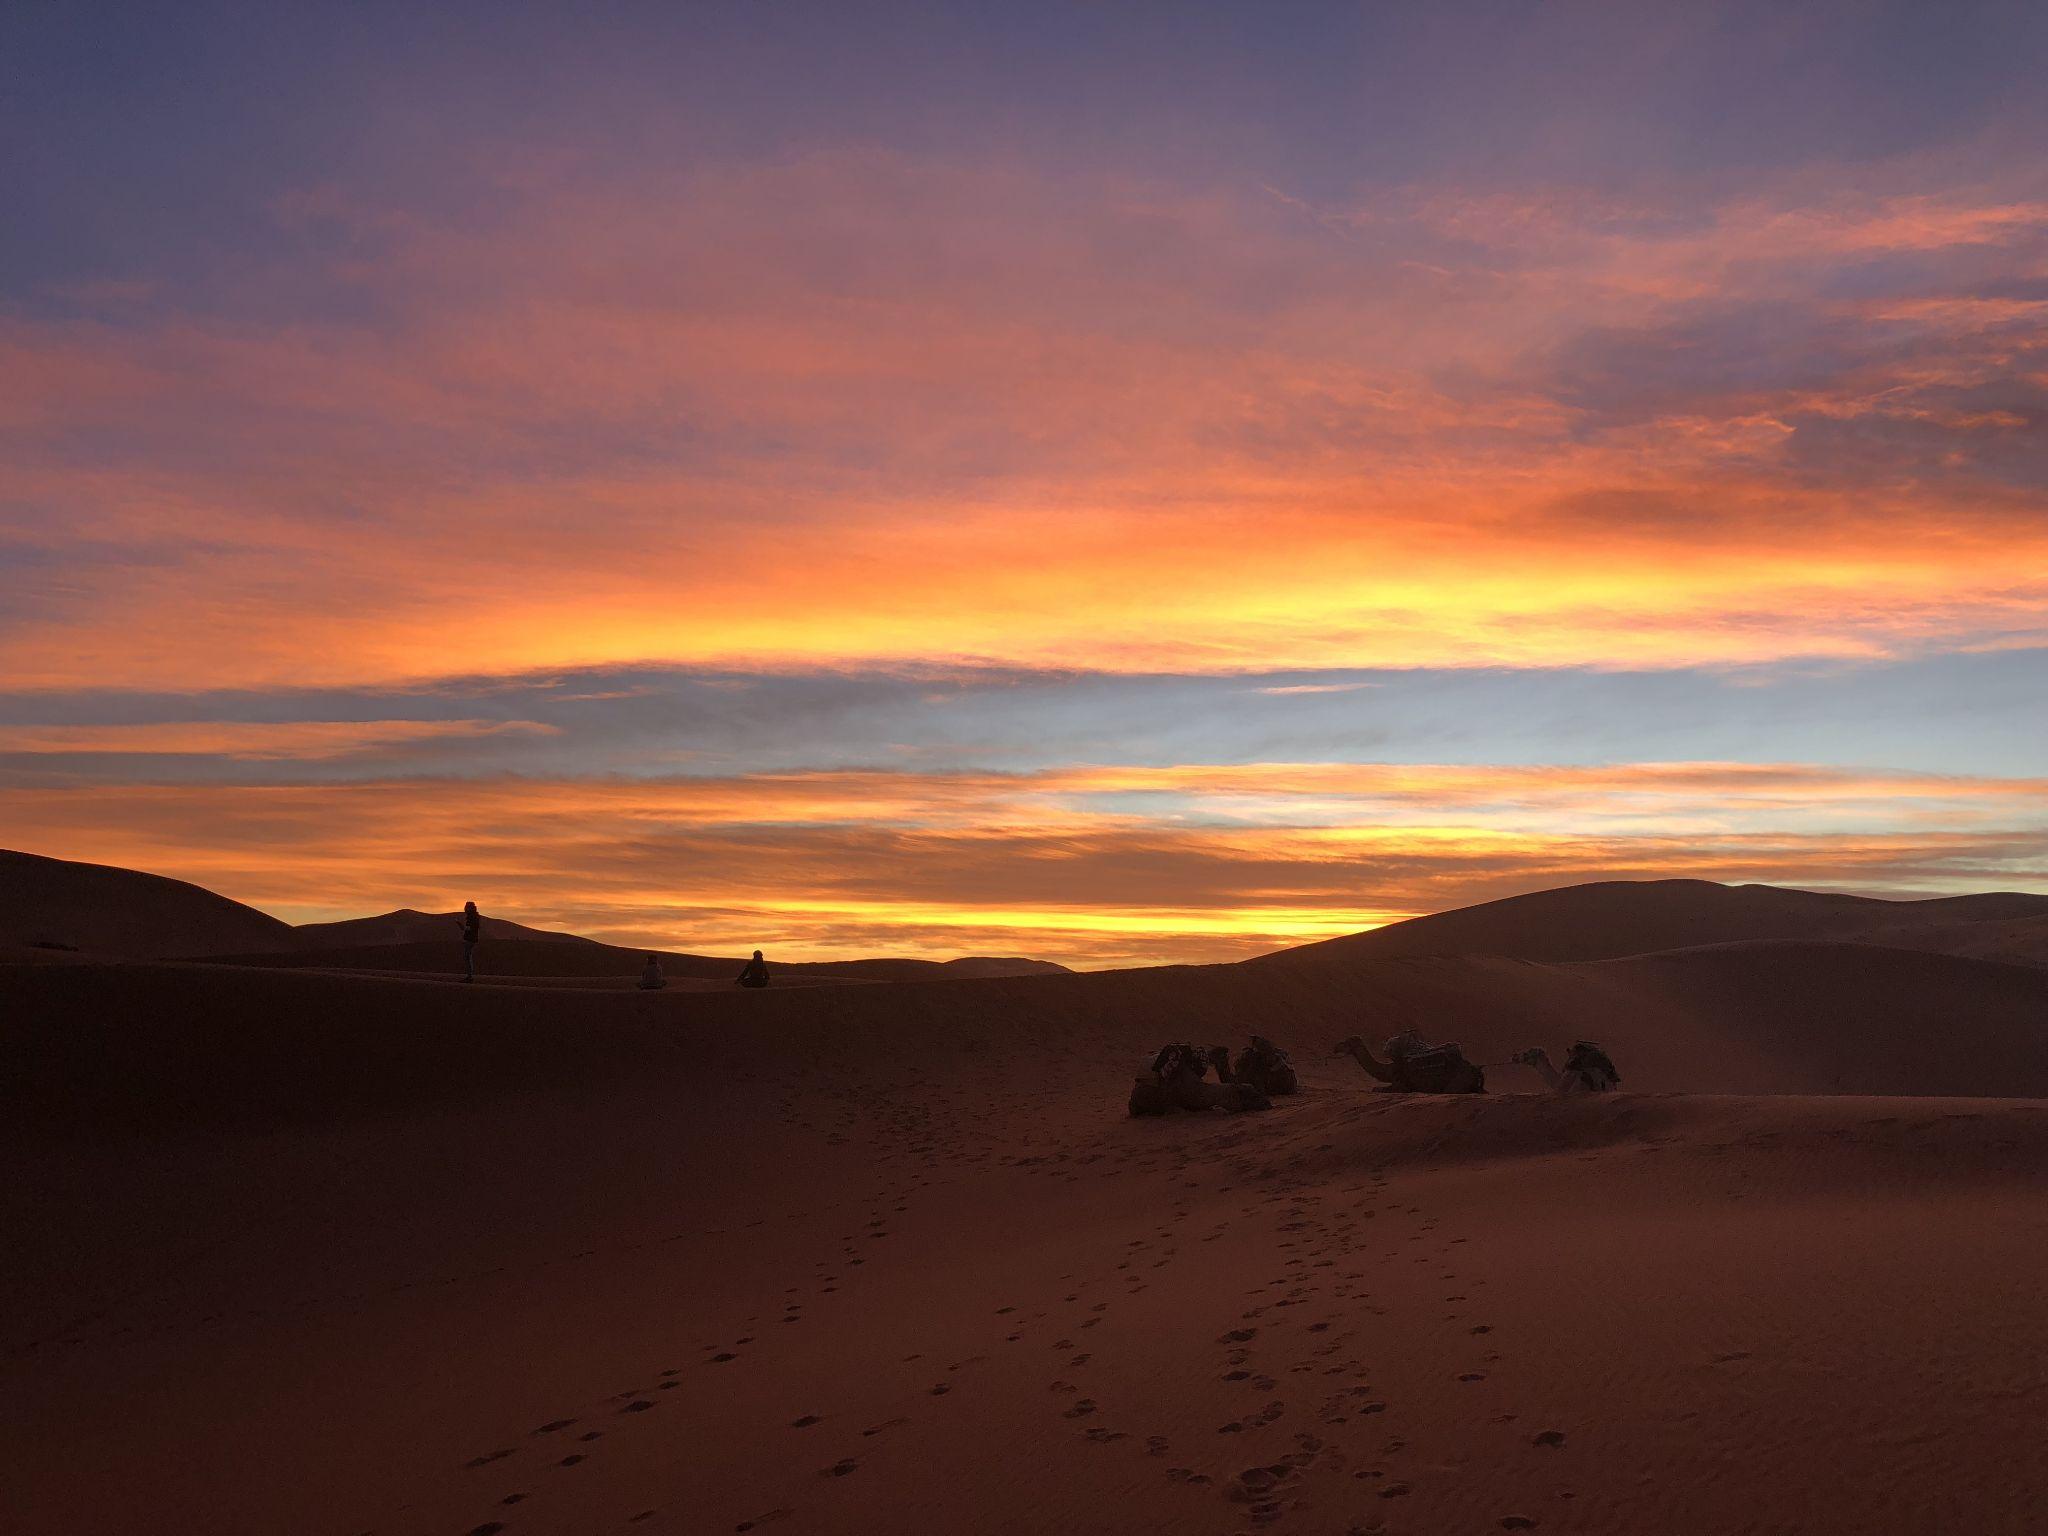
(1324, 1259)
(920, 1141)
(1328, 1241)
(553, 1436)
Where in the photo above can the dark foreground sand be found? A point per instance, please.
(310, 1253)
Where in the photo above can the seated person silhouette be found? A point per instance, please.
(651, 979)
(755, 972)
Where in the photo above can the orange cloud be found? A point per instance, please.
(1458, 432)
(251, 741)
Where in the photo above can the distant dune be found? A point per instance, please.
(406, 926)
(99, 909)
(1609, 919)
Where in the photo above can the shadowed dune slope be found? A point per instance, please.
(155, 1044)
(104, 910)
(2016, 941)
(1607, 919)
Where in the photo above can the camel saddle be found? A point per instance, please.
(1430, 1069)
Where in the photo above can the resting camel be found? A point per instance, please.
(1442, 1069)
(1176, 1082)
(1265, 1066)
(1584, 1071)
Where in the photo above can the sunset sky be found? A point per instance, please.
(1110, 483)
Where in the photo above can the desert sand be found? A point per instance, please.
(295, 1250)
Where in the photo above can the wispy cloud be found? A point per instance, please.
(1282, 690)
(252, 741)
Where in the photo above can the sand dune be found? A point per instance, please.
(300, 1250)
(407, 926)
(185, 1043)
(2016, 941)
(319, 1253)
(1609, 919)
(104, 910)
(64, 907)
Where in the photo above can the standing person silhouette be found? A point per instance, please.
(755, 972)
(472, 929)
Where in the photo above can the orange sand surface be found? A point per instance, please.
(298, 1251)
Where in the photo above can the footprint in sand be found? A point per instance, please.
(487, 1458)
(1552, 1439)
(552, 1425)
(805, 1422)
(1080, 1410)
(841, 1467)
(886, 1424)
(1256, 1482)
